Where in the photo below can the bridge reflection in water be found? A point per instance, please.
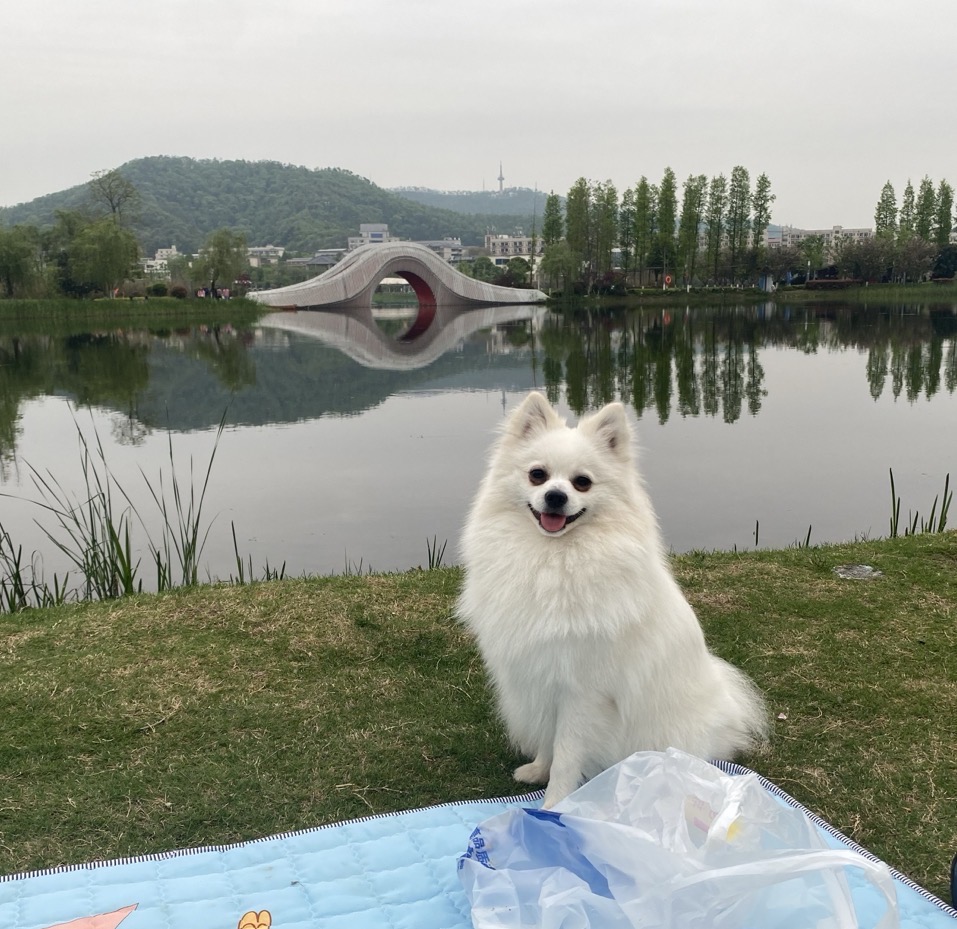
(352, 282)
(435, 331)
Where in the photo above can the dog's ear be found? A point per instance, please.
(533, 415)
(609, 427)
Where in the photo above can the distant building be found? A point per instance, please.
(260, 255)
(371, 234)
(321, 260)
(156, 268)
(785, 236)
(790, 236)
(512, 246)
(448, 249)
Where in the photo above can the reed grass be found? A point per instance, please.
(245, 574)
(435, 553)
(182, 537)
(95, 532)
(935, 522)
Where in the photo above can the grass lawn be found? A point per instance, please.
(219, 714)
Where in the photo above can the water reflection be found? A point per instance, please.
(297, 366)
(365, 336)
(707, 362)
(745, 411)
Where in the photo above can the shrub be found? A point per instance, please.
(179, 292)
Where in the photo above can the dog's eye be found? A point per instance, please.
(581, 483)
(538, 476)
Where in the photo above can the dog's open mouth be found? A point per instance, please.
(554, 522)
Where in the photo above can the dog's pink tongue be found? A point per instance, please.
(552, 522)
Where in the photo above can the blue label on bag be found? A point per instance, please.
(476, 850)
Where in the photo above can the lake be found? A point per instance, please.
(348, 447)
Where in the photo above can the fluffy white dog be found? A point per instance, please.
(592, 649)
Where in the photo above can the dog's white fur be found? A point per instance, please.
(592, 649)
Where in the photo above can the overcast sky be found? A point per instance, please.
(829, 98)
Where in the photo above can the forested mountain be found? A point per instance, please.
(513, 201)
(183, 200)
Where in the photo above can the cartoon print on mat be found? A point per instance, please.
(254, 920)
(103, 921)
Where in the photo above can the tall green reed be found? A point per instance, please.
(935, 522)
(94, 530)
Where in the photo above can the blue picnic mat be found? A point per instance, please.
(394, 871)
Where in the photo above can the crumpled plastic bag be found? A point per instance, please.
(665, 840)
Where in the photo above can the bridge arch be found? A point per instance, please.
(352, 282)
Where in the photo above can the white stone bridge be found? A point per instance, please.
(351, 283)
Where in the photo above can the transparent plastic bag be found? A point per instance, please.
(664, 840)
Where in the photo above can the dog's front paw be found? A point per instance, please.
(535, 772)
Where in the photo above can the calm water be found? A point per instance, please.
(347, 446)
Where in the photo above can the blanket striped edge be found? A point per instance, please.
(728, 767)
(203, 849)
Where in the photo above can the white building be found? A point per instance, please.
(512, 246)
(371, 234)
(260, 255)
(784, 236)
(448, 249)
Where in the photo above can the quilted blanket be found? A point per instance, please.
(395, 871)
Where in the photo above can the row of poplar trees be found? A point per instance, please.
(927, 214)
(713, 235)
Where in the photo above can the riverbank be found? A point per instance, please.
(217, 714)
(865, 294)
(64, 316)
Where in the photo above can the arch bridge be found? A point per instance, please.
(351, 283)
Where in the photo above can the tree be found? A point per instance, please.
(714, 218)
(761, 210)
(102, 255)
(605, 226)
(885, 214)
(668, 222)
(785, 261)
(516, 273)
(692, 210)
(645, 225)
(19, 259)
(112, 190)
(866, 259)
(913, 258)
(945, 264)
(925, 209)
(737, 221)
(559, 267)
(481, 268)
(905, 219)
(944, 218)
(578, 224)
(553, 223)
(812, 249)
(223, 258)
(626, 225)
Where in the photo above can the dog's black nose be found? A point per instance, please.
(555, 499)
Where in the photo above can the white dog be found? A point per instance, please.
(592, 649)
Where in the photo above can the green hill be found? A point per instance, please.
(303, 209)
(513, 201)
